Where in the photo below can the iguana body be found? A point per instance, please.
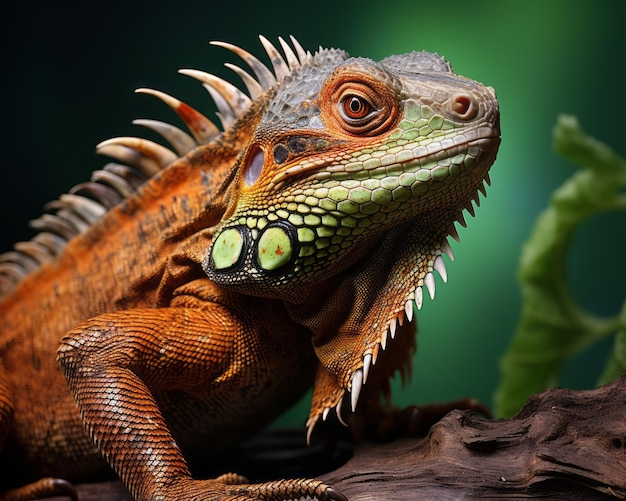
(282, 253)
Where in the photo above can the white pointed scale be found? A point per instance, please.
(237, 101)
(12, 270)
(263, 74)
(202, 129)
(224, 112)
(179, 139)
(325, 413)
(20, 260)
(129, 156)
(281, 68)
(445, 247)
(53, 242)
(303, 55)
(419, 297)
(88, 209)
(393, 326)
(408, 310)
(160, 154)
(440, 266)
(290, 56)
(34, 250)
(383, 339)
(114, 180)
(355, 391)
(429, 281)
(338, 411)
(69, 215)
(55, 223)
(254, 87)
(367, 363)
(309, 432)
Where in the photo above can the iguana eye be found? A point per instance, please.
(359, 107)
(359, 104)
(355, 107)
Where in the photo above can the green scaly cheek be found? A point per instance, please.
(309, 228)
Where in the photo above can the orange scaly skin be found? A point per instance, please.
(175, 317)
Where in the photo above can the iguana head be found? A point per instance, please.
(345, 151)
(345, 194)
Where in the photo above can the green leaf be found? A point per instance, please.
(552, 328)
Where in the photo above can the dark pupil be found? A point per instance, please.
(356, 106)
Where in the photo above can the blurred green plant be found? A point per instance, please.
(552, 327)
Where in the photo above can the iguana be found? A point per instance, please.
(187, 295)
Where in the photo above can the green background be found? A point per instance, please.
(69, 70)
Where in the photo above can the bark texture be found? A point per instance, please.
(563, 444)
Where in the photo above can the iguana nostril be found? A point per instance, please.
(463, 106)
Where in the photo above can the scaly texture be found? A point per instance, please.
(194, 292)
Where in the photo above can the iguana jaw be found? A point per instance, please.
(382, 299)
(331, 390)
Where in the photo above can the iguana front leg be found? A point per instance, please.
(115, 365)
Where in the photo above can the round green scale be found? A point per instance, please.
(274, 248)
(227, 249)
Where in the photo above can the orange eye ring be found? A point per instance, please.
(358, 104)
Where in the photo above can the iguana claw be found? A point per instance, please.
(335, 495)
(44, 488)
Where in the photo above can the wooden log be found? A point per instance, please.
(563, 444)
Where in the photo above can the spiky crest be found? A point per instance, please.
(137, 159)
